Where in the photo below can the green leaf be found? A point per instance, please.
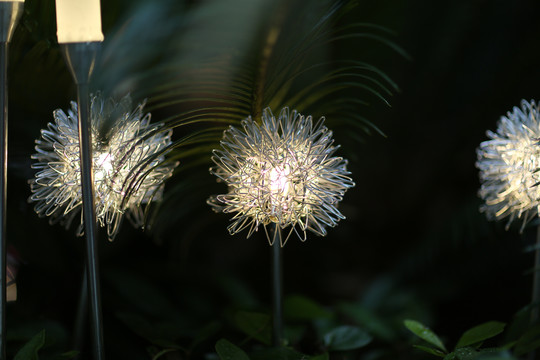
(295, 333)
(429, 350)
(518, 326)
(480, 333)
(346, 338)
(424, 333)
(297, 307)
(451, 356)
(30, 350)
(228, 351)
(466, 353)
(255, 325)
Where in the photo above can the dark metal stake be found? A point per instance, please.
(277, 289)
(10, 13)
(80, 58)
(536, 280)
(535, 287)
(81, 318)
(3, 193)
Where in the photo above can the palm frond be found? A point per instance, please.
(215, 63)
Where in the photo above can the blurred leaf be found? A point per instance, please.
(424, 333)
(298, 307)
(30, 350)
(346, 338)
(529, 341)
(294, 333)
(429, 350)
(228, 351)
(368, 320)
(469, 353)
(255, 325)
(451, 356)
(324, 325)
(519, 325)
(480, 333)
(466, 353)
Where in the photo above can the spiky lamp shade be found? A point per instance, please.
(128, 164)
(509, 165)
(281, 172)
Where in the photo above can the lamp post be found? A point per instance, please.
(10, 13)
(79, 35)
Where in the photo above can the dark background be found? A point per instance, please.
(413, 243)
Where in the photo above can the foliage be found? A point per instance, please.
(470, 345)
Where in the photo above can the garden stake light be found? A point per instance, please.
(79, 35)
(128, 164)
(10, 13)
(509, 165)
(280, 173)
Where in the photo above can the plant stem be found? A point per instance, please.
(277, 289)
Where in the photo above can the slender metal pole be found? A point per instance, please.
(277, 289)
(80, 58)
(535, 298)
(81, 318)
(10, 13)
(89, 215)
(3, 194)
(536, 280)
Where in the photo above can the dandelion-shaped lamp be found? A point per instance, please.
(128, 162)
(280, 172)
(509, 165)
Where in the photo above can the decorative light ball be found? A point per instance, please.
(509, 165)
(129, 164)
(281, 172)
